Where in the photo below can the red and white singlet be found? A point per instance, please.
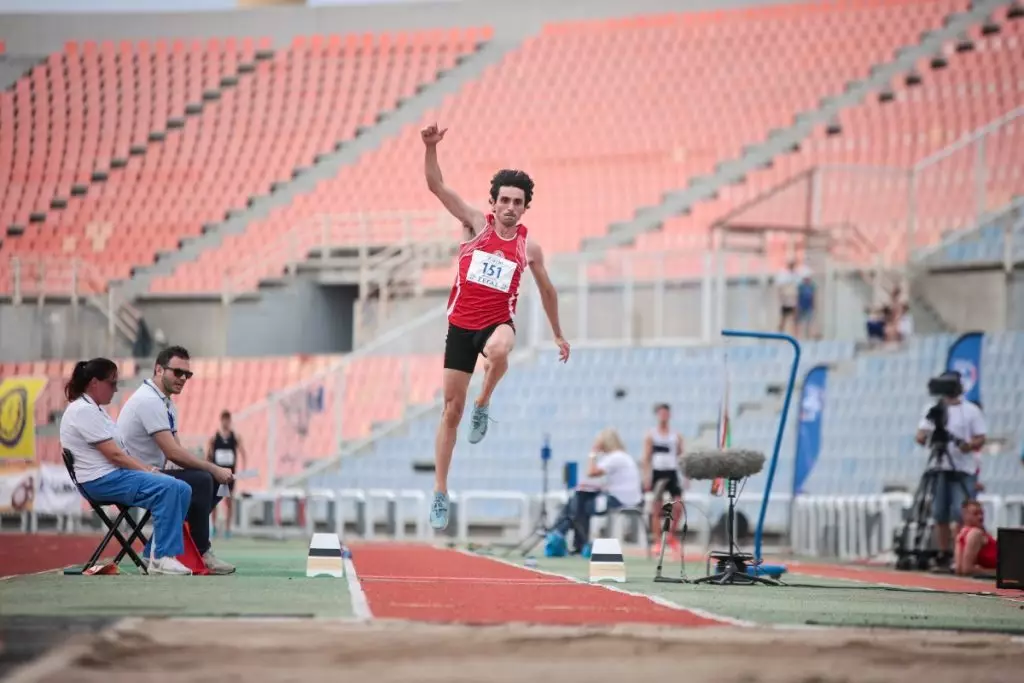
(486, 284)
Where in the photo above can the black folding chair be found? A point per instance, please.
(112, 526)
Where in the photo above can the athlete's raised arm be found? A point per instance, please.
(472, 220)
(548, 296)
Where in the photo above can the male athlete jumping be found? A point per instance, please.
(482, 305)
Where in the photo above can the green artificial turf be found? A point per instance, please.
(813, 601)
(270, 581)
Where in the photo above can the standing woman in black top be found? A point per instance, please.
(226, 450)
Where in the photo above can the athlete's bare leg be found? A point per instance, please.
(456, 384)
(496, 351)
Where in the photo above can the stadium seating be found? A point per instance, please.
(872, 415)
(297, 105)
(604, 122)
(974, 89)
(873, 404)
(987, 244)
(88, 106)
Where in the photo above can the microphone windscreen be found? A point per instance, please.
(731, 463)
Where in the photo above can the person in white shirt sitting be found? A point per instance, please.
(106, 473)
(612, 481)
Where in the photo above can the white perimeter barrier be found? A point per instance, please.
(370, 513)
(863, 527)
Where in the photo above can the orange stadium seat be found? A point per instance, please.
(87, 106)
(976, 88)
(603, 121)
(299, 104)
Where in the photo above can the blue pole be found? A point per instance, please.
(782, 423)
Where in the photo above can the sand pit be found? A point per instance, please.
(290, 650)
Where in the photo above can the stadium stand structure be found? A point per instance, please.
(909, 65)
(874, 402)
(986, 246)
(104, 104)
(595, 169)
(236, 124)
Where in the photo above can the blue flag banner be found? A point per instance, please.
(808, 438)
(965, 358)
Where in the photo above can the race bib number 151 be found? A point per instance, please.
(491, 270)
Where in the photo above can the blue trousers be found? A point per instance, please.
(165, 497)
(577, 513)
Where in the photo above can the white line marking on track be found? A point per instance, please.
(662, 602)
(360, 606)
(457, 579)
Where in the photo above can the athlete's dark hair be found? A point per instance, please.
(86, 371)
(170, 353)
(225, 414)
(511, 177)
(659, 406)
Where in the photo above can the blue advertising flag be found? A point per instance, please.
(965, 358)
(808, 438)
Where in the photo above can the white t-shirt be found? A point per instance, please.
(146, 413)
(622, 477)
(965, 422)
(83, 426)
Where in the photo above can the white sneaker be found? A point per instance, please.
(168, 565)
(217, 566)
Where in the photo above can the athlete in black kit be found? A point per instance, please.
(226, 450)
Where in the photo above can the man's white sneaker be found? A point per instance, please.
(168, 565)
(217, 566)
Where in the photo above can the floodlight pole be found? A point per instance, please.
(782, 422)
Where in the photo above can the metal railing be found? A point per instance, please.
(357, 243)
(38, 279)
(863, 527)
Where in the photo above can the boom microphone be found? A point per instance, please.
(730, 463)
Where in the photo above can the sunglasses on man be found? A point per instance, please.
(179, 372)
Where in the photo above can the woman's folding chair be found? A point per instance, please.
(113, 527)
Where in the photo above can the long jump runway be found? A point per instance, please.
(409, 613)
(429, 584)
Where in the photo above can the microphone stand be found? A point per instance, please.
(666, 529)
(732, 564)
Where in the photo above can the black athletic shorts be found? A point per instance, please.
(671, 478)
(461, 346)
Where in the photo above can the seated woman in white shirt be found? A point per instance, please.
(107, 473)
(612, 475)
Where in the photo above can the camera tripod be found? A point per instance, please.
(920, 554)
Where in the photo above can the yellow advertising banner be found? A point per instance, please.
(17, 416)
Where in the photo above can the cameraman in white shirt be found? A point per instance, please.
(957, 479)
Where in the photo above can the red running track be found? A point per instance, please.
(423, 583)
(937, 582)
